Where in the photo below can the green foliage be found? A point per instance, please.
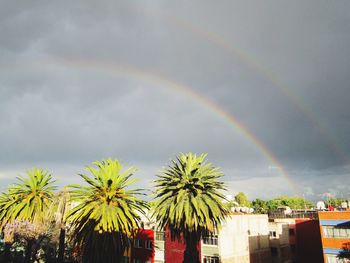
(242, 199)
(7, 201)
(13, 253)
(344, 254)
(188, 196)
(260, 206)
(24, 211)
(35, 240)
(106, 211)
(189, 201)
(336, 201)
(29, 199)
(294, 202)
(230, 204)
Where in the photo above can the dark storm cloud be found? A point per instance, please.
(84, 80)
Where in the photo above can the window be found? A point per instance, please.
(137, 243)
(211, 240)
(160, 236)
(343, 232)
(336, 232)
(148, 244)
(273, 234)
(328, 231)
(209, 259)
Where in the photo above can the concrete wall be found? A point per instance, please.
(280, 241)
(244, 239)
(159, 251)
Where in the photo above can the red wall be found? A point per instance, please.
(174, 249)
(308, 241)
(143, 253)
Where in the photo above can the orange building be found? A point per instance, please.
(335, 233)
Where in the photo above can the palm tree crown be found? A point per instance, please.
(28, 200)
(189, 197)
(106, 212)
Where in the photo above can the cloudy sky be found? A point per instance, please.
(263, 87)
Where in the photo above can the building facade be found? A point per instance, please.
(281, 240)
(244, 238)
(143, 247)
(335, 233)
(295, 240)
(308, 245)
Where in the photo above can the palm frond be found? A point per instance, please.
(106, 209)
(188, 196)
(29, 199)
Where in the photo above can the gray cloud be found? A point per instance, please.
(83, 81)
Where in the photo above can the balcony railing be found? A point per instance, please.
(311, 214)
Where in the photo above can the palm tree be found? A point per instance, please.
(6, 201)
(344, 254)
(189, 201)
(28, 201)
(106, 213)
(30, 198)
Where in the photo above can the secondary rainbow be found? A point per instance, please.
(235, 52)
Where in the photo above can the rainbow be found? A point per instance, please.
(296, 101)
(206, 102)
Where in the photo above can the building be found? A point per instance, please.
(143, 245)
(159, 247)
(281, 237)
(142, 249)
(244, 238)
(175, 249)
(295, 240)
(335, 233)
(210, 249)
(308, 246)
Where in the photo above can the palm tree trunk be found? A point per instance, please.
(61, 245)
(60, 258)
(191, 253)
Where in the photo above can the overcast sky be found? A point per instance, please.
(142, 81)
